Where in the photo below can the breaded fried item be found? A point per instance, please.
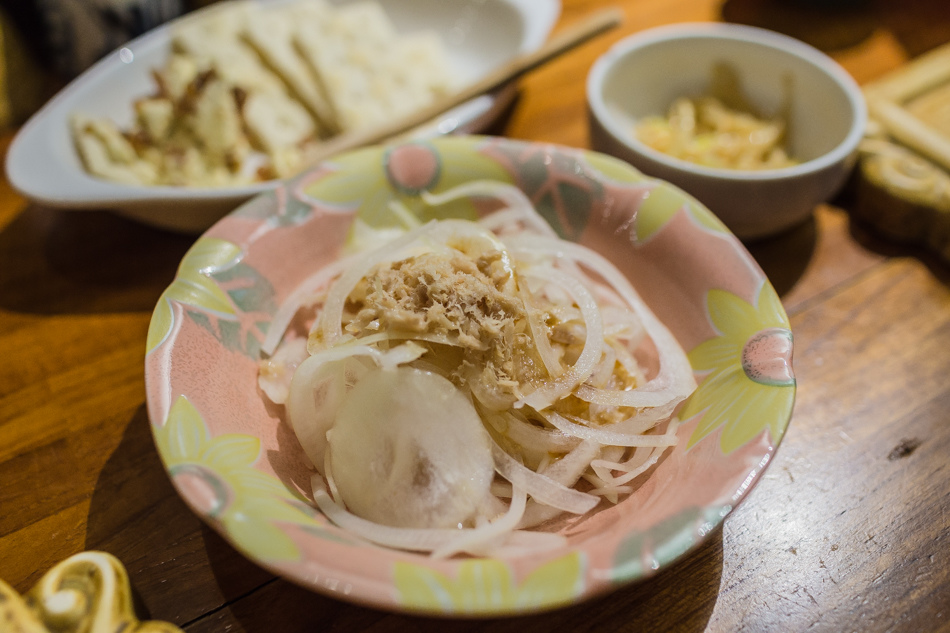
(156, 118)
(214, 121)
(270, 31)
(173, 79)
(216, 41)
(250, 90)
(105, 152)
(370, 75)
(277, 125)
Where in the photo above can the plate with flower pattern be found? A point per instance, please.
(239, 466)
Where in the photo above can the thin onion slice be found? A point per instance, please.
(519, 543)
(541, 488)
(620, 323)
(642, 460)
(552, 364)
(562, 385)
(477, 538)
(605, 369)
(296, 299)
(519, 207)
(609, 491)
(413, 539)
(642, 421)
(275, 373)
(639, 470)
(397, 335)
(608, 462)
(675, 381)
(526, 434)
(311, 418)
(432, 539)
(603, 436)
(568, 470)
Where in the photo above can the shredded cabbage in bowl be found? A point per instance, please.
(463, 382)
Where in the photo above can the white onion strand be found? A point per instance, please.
(541, 488)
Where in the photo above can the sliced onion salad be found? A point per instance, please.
(463, 382)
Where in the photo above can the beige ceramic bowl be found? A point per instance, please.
(778, 75)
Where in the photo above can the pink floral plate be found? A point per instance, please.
(240, 468)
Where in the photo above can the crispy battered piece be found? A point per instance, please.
(243, 94)
(271, 33)
(369, 73)
(106, 152)
(178, 73)
(215, 123)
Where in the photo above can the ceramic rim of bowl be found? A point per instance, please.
(728, 32)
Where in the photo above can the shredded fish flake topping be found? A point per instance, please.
(462, 382)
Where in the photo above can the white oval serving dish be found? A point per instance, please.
(42, 163)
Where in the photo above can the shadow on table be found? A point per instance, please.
(679, 598)
(826, 25)
(785, 257)
(868, 238)
(919, 25)
(180, 568)
(54, 261)
(832, 25)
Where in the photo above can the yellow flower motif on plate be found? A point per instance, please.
(750, 383)
(219, 474)
(194, 286)
(488, 586)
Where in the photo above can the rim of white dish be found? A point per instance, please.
(78, 189)
(730, 32)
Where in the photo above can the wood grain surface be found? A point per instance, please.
(849, 529)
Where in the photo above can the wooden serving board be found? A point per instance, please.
(903, 177)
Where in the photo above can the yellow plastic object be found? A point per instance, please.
(88, 592)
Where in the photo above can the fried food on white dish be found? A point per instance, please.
(249, 91)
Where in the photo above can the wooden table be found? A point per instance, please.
(849, 530)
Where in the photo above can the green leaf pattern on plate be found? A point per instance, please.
(276, 209)
(642, 552)
(193, 286)
(665, 541)
(214, 281)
